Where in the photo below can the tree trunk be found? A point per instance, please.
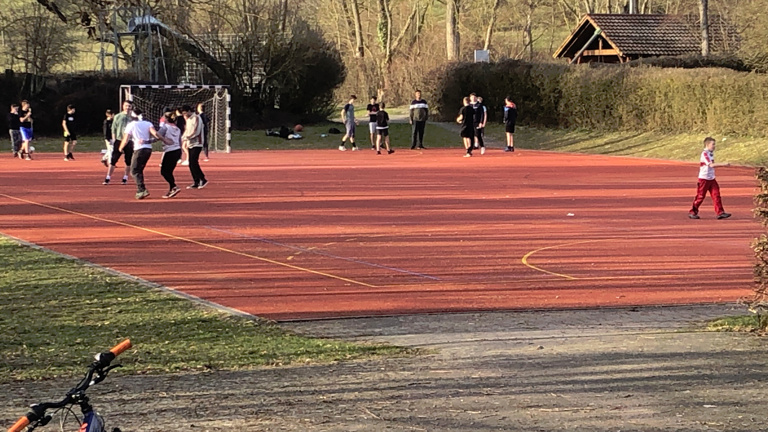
(491, 24)
(358, 25)
(704, 14)
(452, 37)
(528, 33)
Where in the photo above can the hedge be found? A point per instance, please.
(610, 97)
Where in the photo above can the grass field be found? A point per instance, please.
(55, 313)
(739, 150)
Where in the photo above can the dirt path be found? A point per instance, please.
(598, 370)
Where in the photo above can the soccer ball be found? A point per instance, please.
(298, 128)
(31, 149)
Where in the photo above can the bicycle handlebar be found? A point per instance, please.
(121, 347)
(20, 425)
(102, 361)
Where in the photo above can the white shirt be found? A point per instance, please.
(172, 132)
(139, 131)
(706, 172)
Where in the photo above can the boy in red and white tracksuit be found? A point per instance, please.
(707, 182)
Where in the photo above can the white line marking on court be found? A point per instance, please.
(326, 254)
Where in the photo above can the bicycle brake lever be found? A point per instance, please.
(101, 375)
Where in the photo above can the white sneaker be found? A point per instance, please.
(482, 150)
(205, 160)
(342, 148)
(477, 145)
(467, 155)
(354, 148)
(185, 163)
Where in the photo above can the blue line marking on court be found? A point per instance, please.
(316, 252)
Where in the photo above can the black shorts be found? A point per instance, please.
(467, 132)
(70, 138)
(510, 128)
(383, 132)
(127, 152)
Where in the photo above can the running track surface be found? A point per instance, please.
(316, 234)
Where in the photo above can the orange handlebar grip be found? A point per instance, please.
(122, 346)
(20, 425)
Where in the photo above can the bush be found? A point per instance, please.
(91, 95)
(611, 97)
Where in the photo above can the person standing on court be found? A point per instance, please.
(192, 140)
(25, 116)
(348, 117)
(419, 114)
(119, 123)
(14, 129)
(143, 134)
(372, 109)
(69, 124)
(466, 119)
(707, 182)
(171, 152)
(510, 118)
(479, 122)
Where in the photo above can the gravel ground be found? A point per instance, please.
(640, 369)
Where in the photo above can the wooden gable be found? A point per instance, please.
(613, 38)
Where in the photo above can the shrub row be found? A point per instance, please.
(611, 97)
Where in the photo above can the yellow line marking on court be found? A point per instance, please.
(196, 242)
(564, 276)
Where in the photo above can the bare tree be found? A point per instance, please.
(704, 17)
(491, 24)
(40, 41)
(452, 36)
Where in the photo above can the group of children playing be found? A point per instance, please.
(128, 135)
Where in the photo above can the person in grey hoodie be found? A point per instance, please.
(193, 138)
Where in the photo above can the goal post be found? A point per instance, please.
(154, 99)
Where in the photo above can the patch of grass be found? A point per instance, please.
(684, 147)
(740, 323)
(400, 136)
(56, 313)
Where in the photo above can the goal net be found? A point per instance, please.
(152, 100)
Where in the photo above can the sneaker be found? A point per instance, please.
(28, 157)
(482, 150)
(15, 154)
(193, 186)
(390, 151)
(467, 154)
(508, 149)
(206, 160)
(143, 194)
(693, 216)
(378, 152)
(71, 156)
(172, 193)
(178, 162)
(477, 145)
(342, 148)
(723, 215)
(124, 181)
(512, 149)
(354, 148)
(203, 184)
(66, 158)
(185, 163)
(105, 182)
(104, 162)
(422, 148)
(413, 148)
